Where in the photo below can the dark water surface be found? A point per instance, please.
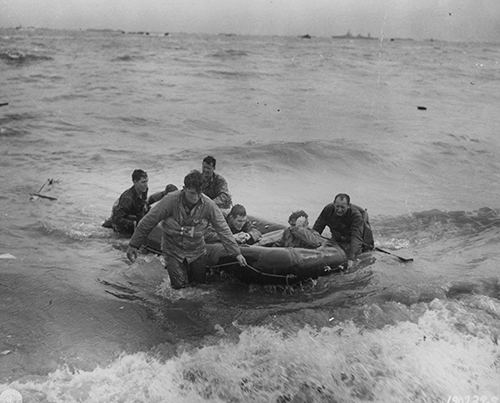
(291, 123)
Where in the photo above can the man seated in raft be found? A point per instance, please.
(214, 185)
(298, 234)
(156, 197)
(242, 228)
(131, 206)
(348, 225)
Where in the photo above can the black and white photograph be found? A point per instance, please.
(234, 201)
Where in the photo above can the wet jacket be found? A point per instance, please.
(129, 210)
(300, 237)
(156, 197)
(183, 231)
(216, 188)
(352, 230)
(248, 227)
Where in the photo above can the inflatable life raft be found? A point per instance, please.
(268, 264)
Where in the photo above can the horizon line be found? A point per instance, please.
(347, 35)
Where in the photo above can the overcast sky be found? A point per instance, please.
(463, 20)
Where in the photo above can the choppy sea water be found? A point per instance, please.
(291, 122)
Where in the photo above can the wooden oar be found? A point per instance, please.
(43, 196)
(47, 181)
(403, 259)
(38, 194)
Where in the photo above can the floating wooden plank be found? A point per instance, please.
(43, 196)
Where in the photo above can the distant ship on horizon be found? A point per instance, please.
(348, 35)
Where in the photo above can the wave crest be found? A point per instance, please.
(229, 54)
(436, 224)
(18, 58)
(421, 359)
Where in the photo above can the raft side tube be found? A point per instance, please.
(268, 265)
(279, 265)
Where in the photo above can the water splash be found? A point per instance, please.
(444, 350)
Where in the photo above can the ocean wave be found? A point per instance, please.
(40, 45)
(125, 58)
(208, 125)
(11, 124)
(49, 77)
(18, 58)
(487, 289)
(66, 97)
(73, 233)
(341, 155)
(12, 132)
(17, 117)
(436, 224)
(136, 121)
(419, 358)
(464, 152)
(291, 153)
(229, 54)
(233, 75)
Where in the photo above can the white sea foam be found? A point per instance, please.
(426, 360)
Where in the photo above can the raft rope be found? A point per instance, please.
(287, 277)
